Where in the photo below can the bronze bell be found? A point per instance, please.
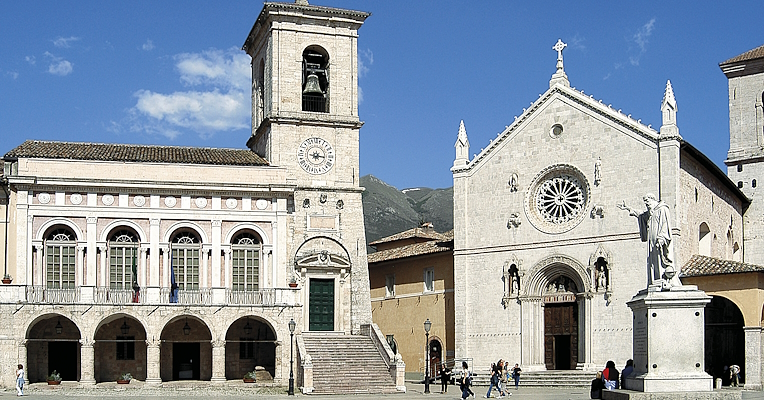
(312, 86)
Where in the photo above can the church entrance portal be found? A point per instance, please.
(725, 338)
(561, 335)
(321, 305)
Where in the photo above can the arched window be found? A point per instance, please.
(185, 260)
(60, 258)
(704, 240)
(315, 80)
(123, 259)
(245, 261)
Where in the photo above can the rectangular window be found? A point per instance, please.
(245, 268)
(246, 349)
(429, 279)
(59, 268)
(121, 261)
(390, 286)
(125, 347)
(185, 264)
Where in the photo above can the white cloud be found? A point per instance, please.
(30, 59)
(360, 94)
(365, 60)
(12, 74)
(65, 43)
(577, 42)
(148, 46)
(220, 102)
(229, 69)
(59, 66)
(641, 39)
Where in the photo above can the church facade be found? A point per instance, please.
(545, 257)
(179, 263)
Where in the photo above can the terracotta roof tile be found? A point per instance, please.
(747, 56)
(443, 244)
(410, 234)
(135, 153)
(702, 266)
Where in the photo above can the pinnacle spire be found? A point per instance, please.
(462, 146)
(559, 77)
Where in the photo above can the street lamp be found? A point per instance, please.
(186, 328)
(59, 328)
(124, 328)
(427, 326)
(292, 325)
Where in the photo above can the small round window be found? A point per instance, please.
(556, 131)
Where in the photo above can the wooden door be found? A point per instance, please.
(321, 305)
(561, 335)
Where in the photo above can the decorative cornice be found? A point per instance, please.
(548, 243)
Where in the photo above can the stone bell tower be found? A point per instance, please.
(305, 120)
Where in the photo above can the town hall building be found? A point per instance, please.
(175, 263)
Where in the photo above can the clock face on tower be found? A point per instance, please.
(315, 156)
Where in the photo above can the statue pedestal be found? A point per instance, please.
(669, 340)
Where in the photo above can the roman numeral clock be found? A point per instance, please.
(315, 156)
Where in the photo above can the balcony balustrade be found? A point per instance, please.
(269, 297)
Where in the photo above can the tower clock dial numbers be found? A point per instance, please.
(315, 156)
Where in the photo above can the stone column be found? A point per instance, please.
(78, 278)
(40, 266)
(89, 278)
(142, 272)
(752, 357)
(153, 362)
(218, 361)
(227, 252)
(216, 239)
(22, 357)
(87, 362)
(102, 280)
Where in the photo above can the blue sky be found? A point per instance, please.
(171, 72)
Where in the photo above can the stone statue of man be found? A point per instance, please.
(655, 229)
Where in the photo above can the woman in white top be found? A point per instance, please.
(20, 380)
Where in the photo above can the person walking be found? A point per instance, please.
(465, 381)
(20, 380)
(496, 369)
(734, 375)
(516, 375)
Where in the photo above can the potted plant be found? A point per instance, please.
(250, 377)
(54, 378)
(7, 279)
(292, 282)
(124, 378)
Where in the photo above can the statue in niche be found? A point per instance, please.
(560, 285)
(597, 171)
(513, 182)
(602, 277)
(655, 229)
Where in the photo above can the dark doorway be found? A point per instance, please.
(436, 354)
(560, 336)
(62, 357)
(185, 361)
(321, 305)
(725, 338)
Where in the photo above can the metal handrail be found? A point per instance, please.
(43, 294)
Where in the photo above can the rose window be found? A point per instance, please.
(558, 199)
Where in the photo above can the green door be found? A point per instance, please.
(321, 305)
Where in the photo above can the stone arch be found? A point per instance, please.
(123, 222)
(724, 337)
(436, 352)
(60, 221)
(188, 225)
(115, 351)
(322, 251)
(553, 267)
(250, 342)
(53, 343)
(185, 349)
(264, 239)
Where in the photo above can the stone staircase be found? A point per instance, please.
(347, 364)
(549, 379)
